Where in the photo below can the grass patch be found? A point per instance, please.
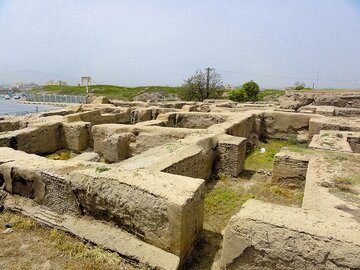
(270, 92)
(286, 193)
(257, 160)
(19, 222)
(111, 91)
(101, 169)
(355, 180)
(347, 183)
(224, 201)
(80, 250)
(61, 155)
(62, 250)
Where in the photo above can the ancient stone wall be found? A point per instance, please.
(266, 236)
(289, 170)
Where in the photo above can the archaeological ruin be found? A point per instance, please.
(137, 181)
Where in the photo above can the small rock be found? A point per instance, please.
(8, 230)
(326, 184)
(262, 150)
(45, 266)
(265, 172)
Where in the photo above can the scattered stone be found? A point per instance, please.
(326, 184)
(265, 172)
(8, 230)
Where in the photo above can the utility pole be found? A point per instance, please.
(87, 89)
(208, 80)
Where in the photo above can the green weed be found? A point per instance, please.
(60, 155)
(224, 201)
(256, 160)
(20, 222)
(101, 169)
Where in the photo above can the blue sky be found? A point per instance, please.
(162, 42)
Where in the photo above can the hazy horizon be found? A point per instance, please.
(132, 43)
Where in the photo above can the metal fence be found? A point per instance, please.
(55, 98)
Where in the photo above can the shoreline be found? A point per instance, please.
(56, 104)
(21, 107)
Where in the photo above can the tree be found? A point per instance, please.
(252, 90)
(202, 85)
(238, 95)
(299, 85)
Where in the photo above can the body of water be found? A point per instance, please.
(12, 107)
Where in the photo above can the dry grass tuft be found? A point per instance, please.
(66, 243)
(19, 222)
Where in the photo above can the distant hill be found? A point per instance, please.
(129, 93)
(111, 91)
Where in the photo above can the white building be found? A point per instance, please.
(85, 81)
(59, 83)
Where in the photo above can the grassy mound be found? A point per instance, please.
(111, 91)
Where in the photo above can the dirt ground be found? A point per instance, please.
(31, 246)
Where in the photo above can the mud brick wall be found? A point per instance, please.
(231, 155)
(56, 196)
(160, 209)
(289, 170)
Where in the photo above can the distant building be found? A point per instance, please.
(59, 83)
(25, 86)
(85, 81)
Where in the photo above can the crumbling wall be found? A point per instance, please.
(332, 123)
(95, 117)
(132, 140)
(282, 125)
(57, 195)
(9, 125)
(354, 143)
(37, 139)
(193, 120)
(266, 236)
(160, 209)
(231, 155)
(76, 136)
(289, 169)
(247, 126)
(163, 210)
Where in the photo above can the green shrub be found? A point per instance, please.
(238, 95)
(252, 90)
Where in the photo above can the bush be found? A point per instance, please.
(237, 95)
(252, 90)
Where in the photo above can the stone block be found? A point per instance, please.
(266, 236)
(289, 169)
(76, 136)
(161, 209)
(231, 155)
(116, 147)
